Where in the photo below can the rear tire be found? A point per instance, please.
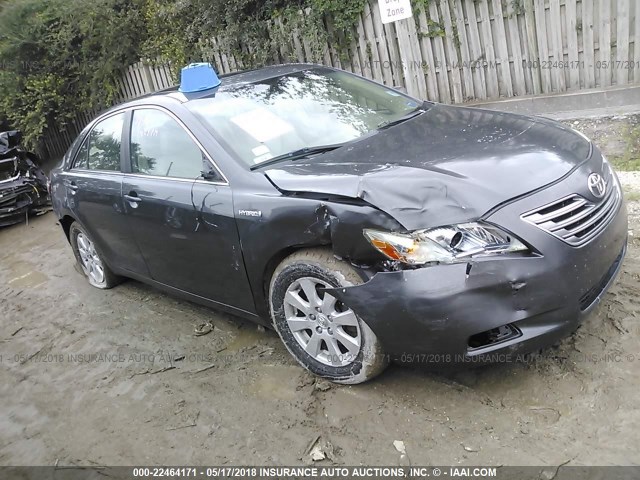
(90, 260)
(325, 336)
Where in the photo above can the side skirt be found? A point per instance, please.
(176, 292)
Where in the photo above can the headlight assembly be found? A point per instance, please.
(449, 244)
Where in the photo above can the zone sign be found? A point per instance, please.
(394, 10)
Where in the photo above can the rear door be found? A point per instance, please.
(184, 224)
(94, 192)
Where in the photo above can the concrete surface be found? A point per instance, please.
(90, 377)
(594, 103)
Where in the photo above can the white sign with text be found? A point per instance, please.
(394, 10)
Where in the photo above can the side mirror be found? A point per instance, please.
(209, 175)
(207, 172)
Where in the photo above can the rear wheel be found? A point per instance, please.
(324, 335)
(90, 260)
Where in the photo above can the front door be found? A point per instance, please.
(184, 225)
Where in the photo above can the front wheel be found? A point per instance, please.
(324, 335)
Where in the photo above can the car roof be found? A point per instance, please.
(229, 81)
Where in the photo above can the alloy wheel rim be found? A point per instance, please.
(323, 326)
(89, 258)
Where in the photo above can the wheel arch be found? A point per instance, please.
(322, 263)
(271, 266)
(277, 258)
(65, 223)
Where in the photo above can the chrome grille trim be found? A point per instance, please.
(574, 219)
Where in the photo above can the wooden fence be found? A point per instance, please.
(137, 80)
(454, 51)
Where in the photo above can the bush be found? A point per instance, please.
(61, 57)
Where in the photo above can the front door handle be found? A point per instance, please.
(133, 198)
(73, 187)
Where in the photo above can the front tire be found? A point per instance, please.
(324, 335)
(90, 260)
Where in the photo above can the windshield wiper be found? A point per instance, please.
(297, 154)
(412, 114)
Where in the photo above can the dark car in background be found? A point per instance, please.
(362, 224)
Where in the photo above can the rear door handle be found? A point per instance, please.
(72, 186)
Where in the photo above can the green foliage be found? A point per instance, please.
(163, 19)
(629, 160)
(631, 195)
(517, 6)
(421, 6)
(436, 29)
(62, 57)
(252, 30)
(343, 15)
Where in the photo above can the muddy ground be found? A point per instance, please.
(92, 377)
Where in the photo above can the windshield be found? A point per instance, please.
(260, 121)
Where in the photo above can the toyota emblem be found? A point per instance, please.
(597, 185)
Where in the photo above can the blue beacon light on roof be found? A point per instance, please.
(198, 77)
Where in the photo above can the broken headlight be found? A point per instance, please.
(450, 244)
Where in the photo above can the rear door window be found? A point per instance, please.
(103, 146)
(83, 155)
(161, 147)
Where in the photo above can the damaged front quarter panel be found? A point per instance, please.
(291, 221)
(428, 198)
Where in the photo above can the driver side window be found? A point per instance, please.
(161, 147)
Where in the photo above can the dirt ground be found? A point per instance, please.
(118, 378)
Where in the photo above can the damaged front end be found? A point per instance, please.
(23, 184)
(451, 272)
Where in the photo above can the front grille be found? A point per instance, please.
(594, 292)
(574, 219)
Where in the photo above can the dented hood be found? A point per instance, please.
(449, 165)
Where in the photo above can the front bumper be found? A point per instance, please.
(433, 314)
